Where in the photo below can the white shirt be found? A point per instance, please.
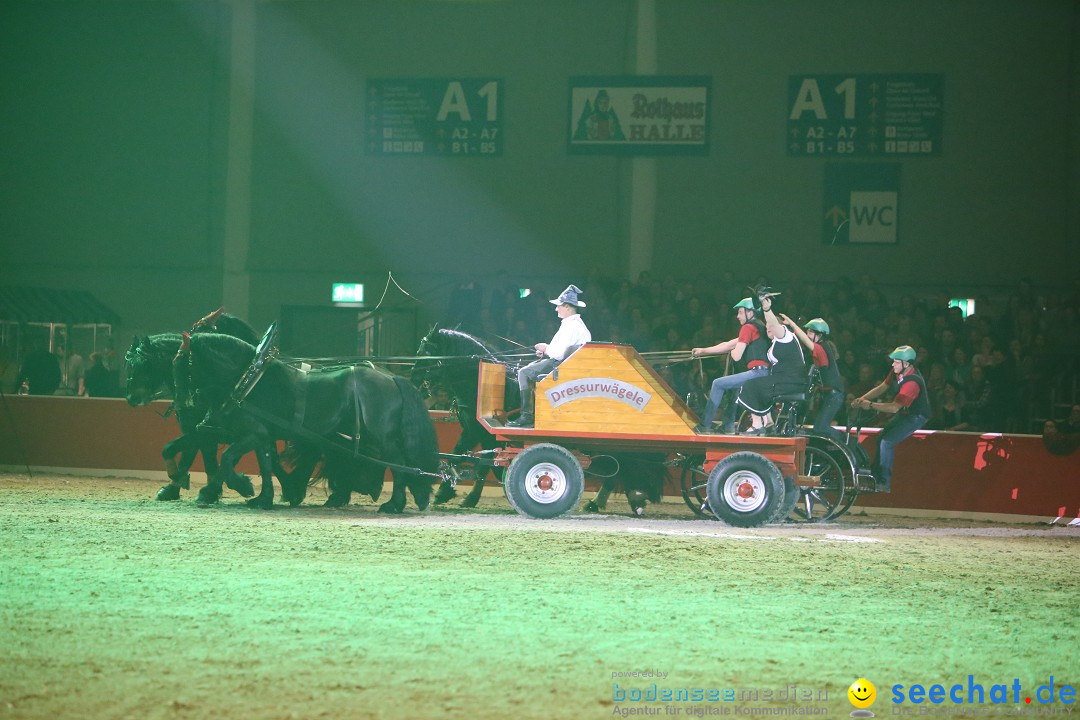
(572, 334)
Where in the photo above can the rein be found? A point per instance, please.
(270, 419)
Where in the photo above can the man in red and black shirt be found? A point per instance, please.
(752, 346)
(910, 408)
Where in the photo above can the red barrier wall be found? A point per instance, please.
(989, 472)
(935, 471)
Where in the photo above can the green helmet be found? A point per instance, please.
(744, 303)
(817, 325)
(904, 352)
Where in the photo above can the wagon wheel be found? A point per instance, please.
(825, 500)
(692, 481)
(745, 489)
(851, 494)
(544, 481)
(792, 496)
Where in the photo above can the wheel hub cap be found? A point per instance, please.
(546, 483)
(744, 491)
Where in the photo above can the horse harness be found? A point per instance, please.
(255, 371)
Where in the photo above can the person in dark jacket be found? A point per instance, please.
(749, 347)
(41, 371)
(99, 381)
(814, 336)
(910, 408)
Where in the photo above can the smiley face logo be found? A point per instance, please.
(862, 693)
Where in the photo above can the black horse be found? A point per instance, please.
(381, 418)
(457, 367)
(152, 375)
(158, 381)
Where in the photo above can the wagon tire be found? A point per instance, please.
(745, 489)
(544, 481)
(792, 496)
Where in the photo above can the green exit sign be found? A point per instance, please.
(347, 293)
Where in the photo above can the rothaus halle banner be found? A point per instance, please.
(639, 115)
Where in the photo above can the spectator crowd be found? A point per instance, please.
(1012, 363)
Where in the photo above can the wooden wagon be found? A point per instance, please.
(605, 398)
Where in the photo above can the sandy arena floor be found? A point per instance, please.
(114, 605)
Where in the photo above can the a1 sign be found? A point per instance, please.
(865, 115)
(429, 116)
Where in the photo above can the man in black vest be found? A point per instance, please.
(787, 369)
(910, 408)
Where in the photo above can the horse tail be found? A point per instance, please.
(418, 437)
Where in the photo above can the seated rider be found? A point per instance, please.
(823, 351)
(787, 369)
(571, 335)
(910, 409)
(750, 346)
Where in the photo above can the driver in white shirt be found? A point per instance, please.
(571, 335)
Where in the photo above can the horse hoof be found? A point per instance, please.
(469, 502)
(445, 493)
(639, 510)
(389, 507)
(333, 501)
(261, 503)
(169, 492)
(206, 499)
(592, 507)
(242, 485)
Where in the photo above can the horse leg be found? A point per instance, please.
(477, 489)
(265, 500)
(473, 433)
(226, 471)
(211, 493)
(465, 443)
(294, 484)
(396, 503)
(445, 493)
(241, 484)
(642, 480)
(185, 446)
(420, 487)
(599, 502)
(340, 488)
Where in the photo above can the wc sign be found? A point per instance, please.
(861, 203)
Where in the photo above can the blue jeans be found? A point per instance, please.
(721, 385)
(831, 402)
(900, 428)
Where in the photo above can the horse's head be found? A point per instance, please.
(429, 343)
(423, 371)
(149, 375)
